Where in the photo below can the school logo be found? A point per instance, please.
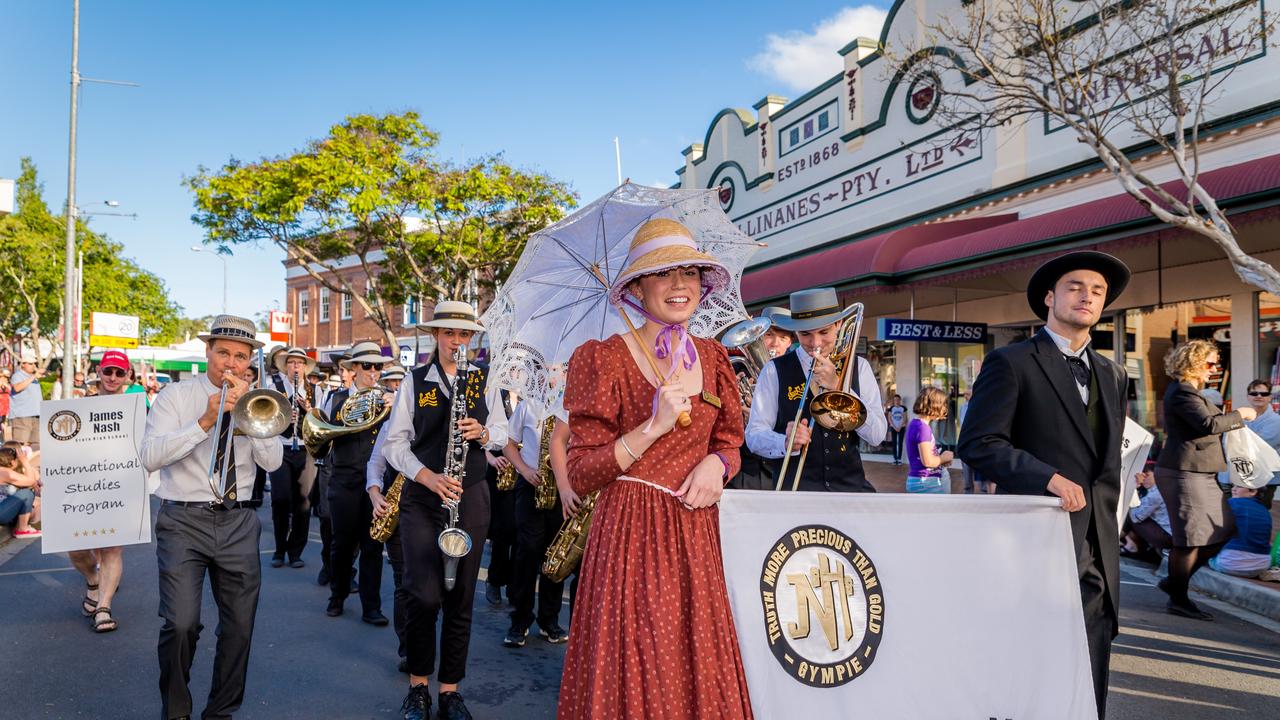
(64, 425)
(794, 392)
(823, 606)
(429, 398)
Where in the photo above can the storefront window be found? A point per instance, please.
(1158, 330)
(951, 367)
(1269, 343)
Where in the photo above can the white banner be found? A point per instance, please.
(906, 606)
(95, 492)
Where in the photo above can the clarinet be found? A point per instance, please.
(454, 542)
(293, 413)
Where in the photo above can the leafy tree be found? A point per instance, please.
(362, 192)
(31, 264)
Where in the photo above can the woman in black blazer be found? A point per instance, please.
(1187, 469)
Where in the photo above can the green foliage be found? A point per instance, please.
(367, 187)
(31, 264)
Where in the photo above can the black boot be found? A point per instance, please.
(417, 704)
(452, 707)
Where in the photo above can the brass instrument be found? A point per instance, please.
(364, 409)
(840, 409)
(748, 337)
(507, 476)
(384, 527)
(455, 542)
(544, 493)
(218, 475)
(565, 552)
(260, 413)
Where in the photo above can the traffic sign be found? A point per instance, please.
(113, 331)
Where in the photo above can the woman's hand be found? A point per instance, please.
(703, 486)
(471, 429)
(448, 488)
(672, 401)
(1248, 414)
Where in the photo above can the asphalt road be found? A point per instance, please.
(306, 665)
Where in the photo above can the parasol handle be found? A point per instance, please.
(684, 420)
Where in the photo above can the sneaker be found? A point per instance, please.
(1270, 575)
(277, 561)
(555, 635)
(297, 563)
(28, 533)
(515, 637)
(417, 704)
(452, 707)
(334, 609)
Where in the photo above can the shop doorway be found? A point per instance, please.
(951, 367)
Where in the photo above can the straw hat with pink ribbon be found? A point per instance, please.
(665, 244)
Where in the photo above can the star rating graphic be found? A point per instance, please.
(94, 532)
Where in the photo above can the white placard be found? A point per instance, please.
(1134, 449)
(112, 325)
(906, 606)
(95, 492)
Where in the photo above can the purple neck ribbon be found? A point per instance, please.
(673, 342)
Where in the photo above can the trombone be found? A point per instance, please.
(257, 414)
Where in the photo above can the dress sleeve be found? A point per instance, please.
(727, 432)
(593, 399)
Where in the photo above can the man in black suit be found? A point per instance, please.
(1047, 418)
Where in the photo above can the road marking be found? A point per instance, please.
(36, 572)
(1227, 608)
(1170, 698)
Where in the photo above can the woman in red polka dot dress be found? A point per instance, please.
(652, 634)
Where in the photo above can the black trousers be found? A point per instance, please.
(535, 529)
(399, 602)
(502, 532)
(897, 437)
(351, 513)
(190, 542)
(1100, 618)
(422, 517)
(290, 519)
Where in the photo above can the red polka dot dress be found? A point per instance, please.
(652, 634)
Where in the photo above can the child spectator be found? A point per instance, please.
(1148, 526)
(926, 472)
(1248, 552)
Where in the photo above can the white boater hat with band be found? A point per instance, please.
(665, 244)
(455, 315)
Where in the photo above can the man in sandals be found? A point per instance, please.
(102, 567)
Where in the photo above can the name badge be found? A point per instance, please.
(711, 399)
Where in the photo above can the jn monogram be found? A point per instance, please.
(823, 592)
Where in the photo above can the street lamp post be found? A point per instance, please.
(223, 258)
(68, 276)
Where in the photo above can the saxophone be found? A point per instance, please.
(544, 494)
(565, 552)
(507, 477)
(384, 527)
(455, 542)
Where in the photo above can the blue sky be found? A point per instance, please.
(548, 84)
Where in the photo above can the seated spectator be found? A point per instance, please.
(1149, 532)
(1267, 426)
(926, 471)
(17, 493)
(1248, 552)
(5, 391)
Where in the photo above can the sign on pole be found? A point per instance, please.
(95, 488)
(281, 325)
(113, 331)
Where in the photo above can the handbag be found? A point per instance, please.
(1251, 462)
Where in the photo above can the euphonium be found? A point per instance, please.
(840, 409)
(544, 494)
(748, 336)
(455, 542)
(384, 527)
(565, 552)
(363, 410)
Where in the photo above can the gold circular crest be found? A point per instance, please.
(823, 606)
(64, 425)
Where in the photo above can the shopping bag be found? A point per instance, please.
(1251, 462)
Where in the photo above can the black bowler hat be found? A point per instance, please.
(1047, 275)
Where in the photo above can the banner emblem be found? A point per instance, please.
(823, 606)
(64, 425)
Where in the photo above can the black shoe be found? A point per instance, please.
(555, 635)
(403, 666)
(297, 563)
(1187, 610)
(417, 704)
(493, 593)
(375, 618)
(323, 577)
(355, 587)
(1163, 585)
(277, 561)
(515, 637)
(452, 707)
(334, 609)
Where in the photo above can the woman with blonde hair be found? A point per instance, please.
(1199, 517)
(926, 467)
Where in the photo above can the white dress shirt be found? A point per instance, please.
(398, 431)
(1083, 353)
(377, 466)
(526, 431)
(763, 441)
(176, 446)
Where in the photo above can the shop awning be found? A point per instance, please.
(909, 253)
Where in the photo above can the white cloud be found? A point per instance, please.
(801, 60)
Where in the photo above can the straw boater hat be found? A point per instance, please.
(315, 371)
(281, 358)
(812, 309)
(231, 327)
(454, 314)
(663, 244)
(27, 357)
(395, 372)
(365, 352)
(1048, 274)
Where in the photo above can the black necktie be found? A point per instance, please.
(1078, 369)
(224, 438)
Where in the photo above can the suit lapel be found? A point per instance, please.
(1054, 366)
(1111, 402)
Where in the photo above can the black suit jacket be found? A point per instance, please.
(1194, 428)
(1026, 422)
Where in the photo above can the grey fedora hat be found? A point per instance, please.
(812, 309)
(366, 351)
(232, 327)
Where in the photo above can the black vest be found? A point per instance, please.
(431, 420)
(834, 463)
(351, 452)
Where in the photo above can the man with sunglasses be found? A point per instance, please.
(1267, 425)
(350, 509)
